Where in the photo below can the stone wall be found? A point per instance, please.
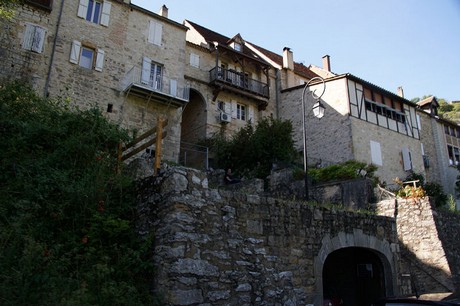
(230, 247)
(429, 244)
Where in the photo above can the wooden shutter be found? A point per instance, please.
(38, 40)
(155, 32)
(75, 51)
(250, 113)
(376, 153)
(173, 87)
(83, 8)
(28, 37)
(146, 70)
(99, 60)
(105, 16)
(407, 161)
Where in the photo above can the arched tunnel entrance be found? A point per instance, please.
(193, 130)
(353, 276)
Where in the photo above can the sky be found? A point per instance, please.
(390, 43)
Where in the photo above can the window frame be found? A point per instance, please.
(76, 52)
(241, 112)
(103, 14)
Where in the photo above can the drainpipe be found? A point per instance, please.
(277, 93)
(48, 77)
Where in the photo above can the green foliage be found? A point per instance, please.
(7, 8)
(67, 231)
(344, 171)
(252, 150)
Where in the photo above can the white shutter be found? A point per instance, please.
(28, 37)
(75, 51)
(99, 60)
(407, 162)
(38, 40)
(376, 153)
(422, 148)
(146, 70)
(82, 8)
(155, 32)
(173, 87)
(419, 124)
(105, 16)
(194, 60)
(233, 109)
(250, 113)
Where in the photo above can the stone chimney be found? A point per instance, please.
(400, 92)
(327, 63)
(288, 59)
(164, 11)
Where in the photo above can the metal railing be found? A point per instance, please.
(194, 156)
(163, 85)
(239, 80)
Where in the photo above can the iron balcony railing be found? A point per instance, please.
(239, 80)
(168, 87)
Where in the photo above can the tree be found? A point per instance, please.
(67, 231)
(7, 8)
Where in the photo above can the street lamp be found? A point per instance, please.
(318, 111)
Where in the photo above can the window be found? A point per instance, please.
(95, 11)
(155, 33)
(195, 60)
(241, 112)
(237, 46)
(407, 159)
(152, 74)
(34, 38)
(86, 57)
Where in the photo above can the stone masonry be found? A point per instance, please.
(219, 246)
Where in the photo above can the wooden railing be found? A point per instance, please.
(130, 149)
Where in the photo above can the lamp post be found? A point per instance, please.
(318, 112)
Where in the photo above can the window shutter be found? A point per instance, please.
(234, 110)
(82, 8)
(28, 37)
(75, 51)
(194, 60)
(105, 16)
(376, 153)
(173, 87)
(99, 60)
(38, 40)
(155, 31)
(146, 70)
(407, 162)
(250, 114)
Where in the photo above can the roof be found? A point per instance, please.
(222, 40)
(428, 101)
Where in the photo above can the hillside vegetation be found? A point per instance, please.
(67, 219)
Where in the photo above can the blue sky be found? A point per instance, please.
(410, 43)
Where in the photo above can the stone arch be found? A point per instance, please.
(193, 129)
(380, 248)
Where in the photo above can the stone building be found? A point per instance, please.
(441, 147)
(121, 58)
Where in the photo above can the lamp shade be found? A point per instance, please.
(318, 110)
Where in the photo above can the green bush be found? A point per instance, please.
(344, 171)
(433, 190)
(67, 231)
(251, 151)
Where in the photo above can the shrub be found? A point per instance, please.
(344, 171)
(66, 217)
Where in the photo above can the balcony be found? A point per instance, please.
(163, 90)
(239, 82)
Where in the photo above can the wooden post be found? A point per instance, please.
(158, 145)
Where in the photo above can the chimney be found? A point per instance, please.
(288, 59)
(400, 92)
(327, 63)
(164, 11)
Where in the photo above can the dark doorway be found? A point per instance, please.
(193, 131)
(353, 277)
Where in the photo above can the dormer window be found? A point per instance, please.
(237, 46)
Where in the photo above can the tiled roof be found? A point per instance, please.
(212, 36)
(427, 101)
